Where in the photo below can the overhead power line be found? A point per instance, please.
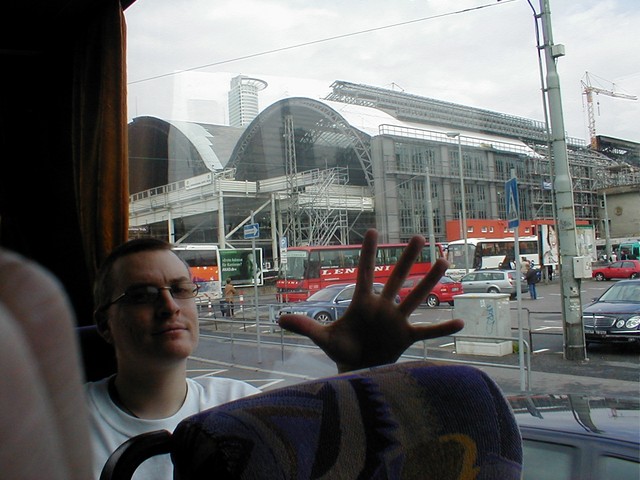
(322, 40)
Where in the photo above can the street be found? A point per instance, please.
(274, 358)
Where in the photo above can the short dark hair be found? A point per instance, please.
(103, 285)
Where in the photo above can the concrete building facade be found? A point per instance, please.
(323, 171)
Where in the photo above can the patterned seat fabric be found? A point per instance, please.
(402, 421)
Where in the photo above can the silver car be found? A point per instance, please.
(493, 281)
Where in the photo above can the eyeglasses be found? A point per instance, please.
(146, 294)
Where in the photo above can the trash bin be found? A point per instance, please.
(486, 315)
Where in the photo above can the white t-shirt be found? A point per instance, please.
(111, 427)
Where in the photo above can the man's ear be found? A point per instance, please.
(102, 323)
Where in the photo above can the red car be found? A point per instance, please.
(444, 290)
(619, 269)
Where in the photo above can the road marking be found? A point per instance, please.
(447, 344)
(546, 328)
(248, 367)
(541, 350)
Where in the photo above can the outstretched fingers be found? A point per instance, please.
(443, 329)
(415, 298)
(366, 263)
(403, 267)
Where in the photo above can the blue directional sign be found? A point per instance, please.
(513, 205)
(252, 230)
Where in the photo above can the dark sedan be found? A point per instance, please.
(327, 304)
(566, 437)
(615, 315)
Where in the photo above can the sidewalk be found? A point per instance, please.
(543, 382)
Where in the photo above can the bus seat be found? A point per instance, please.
(44, 423)
(98, 357)
(405, 420)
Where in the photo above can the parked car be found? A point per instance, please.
(493, 281)
(620, 269)
(444, 290)
(578, 437)
(328, 303)
(615, 315)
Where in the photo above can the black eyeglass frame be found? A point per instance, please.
(153, 296)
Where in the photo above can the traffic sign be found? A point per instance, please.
(513, 205)
(283, 243)
(252, 230)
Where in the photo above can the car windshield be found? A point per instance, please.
(622, 292)
(324, 295)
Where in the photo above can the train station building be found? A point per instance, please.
(323, 171)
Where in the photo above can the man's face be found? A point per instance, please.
(158, 333)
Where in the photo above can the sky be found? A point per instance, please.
(479, 53)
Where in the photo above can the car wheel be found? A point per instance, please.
(323, 317)
(634, 275)
(451, 303)
(599, 277)
(432, 301)
(493, 290)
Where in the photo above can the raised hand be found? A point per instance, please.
(375, 330)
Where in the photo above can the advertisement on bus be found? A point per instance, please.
(549, 241)
(238, 264)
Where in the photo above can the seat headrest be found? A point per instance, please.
(407, 420)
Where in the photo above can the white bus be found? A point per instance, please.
(204, 262)
(489, 253)
(210, 267)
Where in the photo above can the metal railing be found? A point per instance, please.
(264, 320)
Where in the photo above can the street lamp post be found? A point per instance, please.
(606, 225)
(429, 207)
(462, 199)
(573, 329)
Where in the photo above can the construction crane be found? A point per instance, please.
(588, 90)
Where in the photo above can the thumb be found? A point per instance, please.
(302, 325)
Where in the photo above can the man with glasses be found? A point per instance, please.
(146, 309)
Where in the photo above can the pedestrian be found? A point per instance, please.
(532, 278)
(229, 296)
(146, 308)
(525, 266)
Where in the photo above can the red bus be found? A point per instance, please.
(305, 270)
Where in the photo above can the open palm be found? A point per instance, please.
(375, 330)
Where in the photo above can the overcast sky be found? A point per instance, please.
(479, 53)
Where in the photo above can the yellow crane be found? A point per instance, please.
(588, 90)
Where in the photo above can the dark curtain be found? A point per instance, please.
(99, 134)
(63, 189)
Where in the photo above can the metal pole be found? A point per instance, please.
(255, 290)
(574, 342)
(606, 226)
(462, 199)
(516, 254)
(429, 206)
(464, 206)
